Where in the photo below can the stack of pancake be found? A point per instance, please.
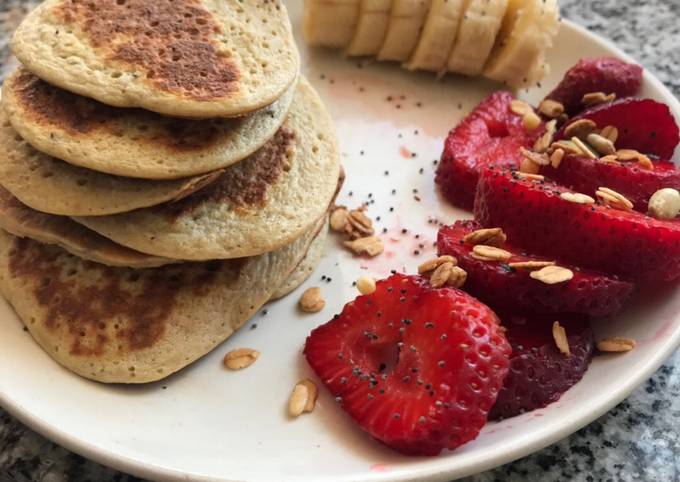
(165, 172)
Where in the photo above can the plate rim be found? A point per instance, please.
(437, 470)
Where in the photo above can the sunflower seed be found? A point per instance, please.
(358, 224)
(577, 197)
(560, 337)
(338, 218)
(612, 159)
(489, 236)
(527, 166)
(614, 199)
(543, 142)
(240, 358)
(580, 128)
(311, 300)
(303, 398)
(490, 253)
(551, 275)
(611, 133)
(532, 177)
(602, 145)
(520, 107)
(531, 121)
(615, 345)
(595, 98)
(567, 146)
(584, 148)
(551, 108)
(441, 275)
(371, 246)
(432, 264)
(646, 163)
(531, 265)
(556, 158)
(535, 157)
(457, 277)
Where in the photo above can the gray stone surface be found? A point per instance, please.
(637, 440)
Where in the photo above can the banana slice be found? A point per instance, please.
(436, 39)
(476, 36)
(540, 69)
(330, 23)
(406, 20)
(527, 32)
(374, 17)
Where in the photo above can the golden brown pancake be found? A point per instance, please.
(122, 325)
(24, 222)
(186, 58)
(131, 142)
(257, 205)
(306, 267)
(56, 187)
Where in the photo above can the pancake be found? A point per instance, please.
(121, 325)
(258, 205)
(132, 142)
(306, 267)
(24, 222)
(184, 58)
(56, 187)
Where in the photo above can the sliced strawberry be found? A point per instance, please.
(539, 372)
(586, 175)
(604, 74)
(417, 368)
(645, 125)
(490, 134)
(535, 216)
(505, 288)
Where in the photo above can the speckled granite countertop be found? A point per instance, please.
(638, 440)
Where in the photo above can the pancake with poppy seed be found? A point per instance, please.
(24, 222)
(132, 142)
(122, 325)
(257, 205)
(56, 187)
(314, 254)
(184, 58)
(306, 267)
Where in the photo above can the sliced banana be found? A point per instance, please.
(330, 23)
(527, 32)
(438, 35)
(540, 69)
(406, 20)
(374, 17)
(477, 33)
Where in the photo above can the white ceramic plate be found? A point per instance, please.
(210, 424)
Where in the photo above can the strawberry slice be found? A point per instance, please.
(417, 368)
(645, 125)
(503, 287)
(586, 175)
(536, 216)
(490, 134)
(604, 74)
(539, 372)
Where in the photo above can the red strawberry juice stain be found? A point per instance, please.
(380, 468)
(662, 333)
(405, 152)
(498, 426)
(403, 248)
